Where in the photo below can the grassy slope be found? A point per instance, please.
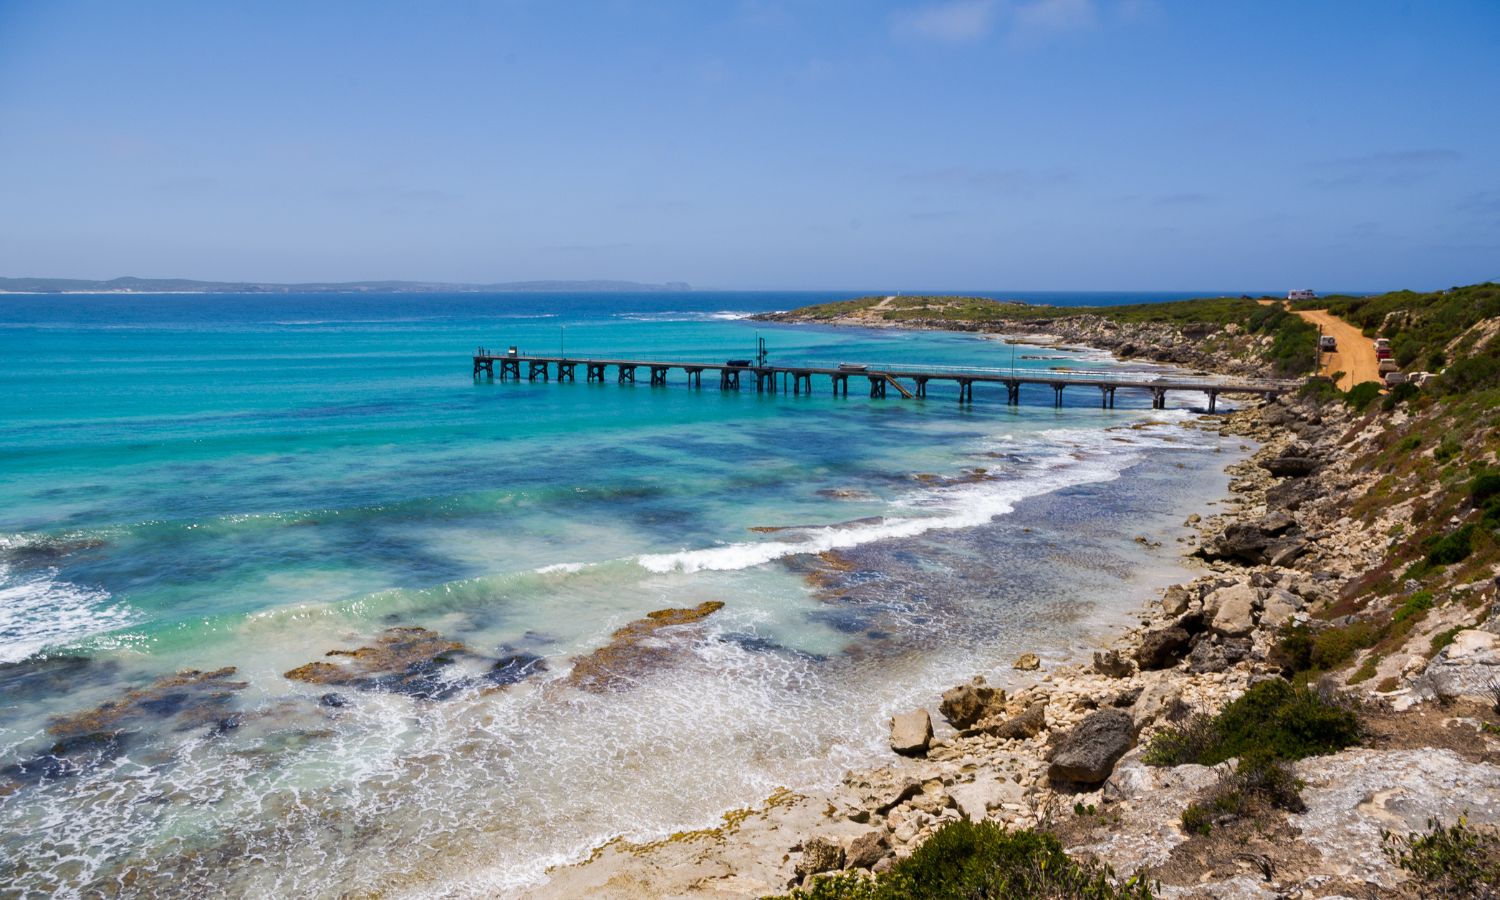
(1290, 351)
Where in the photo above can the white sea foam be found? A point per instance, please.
(723, 315)
(1071, 457)
(37, 611)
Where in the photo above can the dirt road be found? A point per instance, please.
(1355, 356)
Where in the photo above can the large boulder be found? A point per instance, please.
(1176, 599)
(1242, 541)
(966, 704)
(1467, 667)
(1217, 655)
(975, 799)
(1028, 723)
(1291, 494)
(1088, 753)
(1027, 662)
(819, 854)
(911, 732)
(1112, 663)
(867, 849)
(1162, 648)
(1160, 701)
(1234, 610)
(1291, 466)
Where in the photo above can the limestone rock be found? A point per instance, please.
(911, 732)
(866, 850)
(1162, 648)
(975, 799)
(1278, 608)
(1160, 701)
(1210, 656)
(819, 854)
(1351, 796)
(1291, 466)
(1465, 668)
(966, 704)
(1234, 610)
(1088, 753)
(1027, 724)
(1111, 663)
(1027, 662)
(1176, 599)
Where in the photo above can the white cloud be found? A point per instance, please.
(959, 20)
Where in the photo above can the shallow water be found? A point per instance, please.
(194, 483)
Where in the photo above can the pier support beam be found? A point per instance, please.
(840, 383)
(565, 370)
(1013, 393)
(1057, 390)
(1106, 396)
(694, 376)
(1213, 400)
(627, 374)
(1158, 398)
(595, 372)
(877, 386)
(510, 368)
(533, 369)
(486, 366)
(658, 376)
(729, 379)
(799, 379)
(921, 387)
(965, 390)
(765, 380)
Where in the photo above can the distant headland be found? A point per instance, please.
(130, 285)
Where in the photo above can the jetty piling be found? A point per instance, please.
(798, 379)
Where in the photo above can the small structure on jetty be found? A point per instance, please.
(798, 379)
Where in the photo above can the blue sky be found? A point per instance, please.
(1023, 144)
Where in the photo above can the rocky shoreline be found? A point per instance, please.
(1062, 750)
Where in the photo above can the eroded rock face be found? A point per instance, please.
(1465, 668)
(1352, 795)
(1234, 610)
(911, 732)
(1029, 723)
(819, 854)
(1087, 755)
(1162, 647)
(1112, 663)
(975, 799)
(1217, 655)
(636, 650)
(1027, 662)
(867, 849)
(966, 704)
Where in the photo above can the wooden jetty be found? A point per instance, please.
(798, 379)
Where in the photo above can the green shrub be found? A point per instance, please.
(1414, 608)
(1272, 717)
(1451, 861)
(1320, 390)
(1362, 394)
(1197, 819)
(968, 861)
(1485, 486)
(1400, 394)
(1408, 444)
(1453, 547)
(1471, 373)
(1446, 450)
(1444, 638)
(1332, 647)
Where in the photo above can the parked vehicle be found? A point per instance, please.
(1303, 294)
(1388, 365)
(1327, 343)
(1384, 353)
(1382, 343)
(1394, 378)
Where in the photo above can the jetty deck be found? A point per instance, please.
(798, 379)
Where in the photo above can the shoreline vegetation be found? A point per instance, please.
(1316, 714)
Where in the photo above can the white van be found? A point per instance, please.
(1303, 294)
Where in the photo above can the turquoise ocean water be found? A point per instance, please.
(200, 482)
